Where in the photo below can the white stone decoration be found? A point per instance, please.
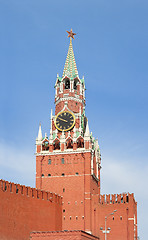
(39, 138)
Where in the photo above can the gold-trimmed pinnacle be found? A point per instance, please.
(71, 34)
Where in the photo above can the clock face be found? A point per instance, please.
(65, 121)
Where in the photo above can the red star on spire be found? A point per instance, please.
(71, 34)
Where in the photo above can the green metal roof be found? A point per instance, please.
(70, 68)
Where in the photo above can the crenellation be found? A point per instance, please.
(124, 197)
(35, 193)
(50, 196)
(17, 188)
(45, 195)
(13, 187)
(54, 197)
(113, 198)
(108, 198)
(102, 199)
(2, 185)
(39, 194)
(116, 198)
(29, 192)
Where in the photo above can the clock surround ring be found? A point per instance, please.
(65, 129)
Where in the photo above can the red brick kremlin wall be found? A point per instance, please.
(63, 235)
(122, 223)
(24, 209)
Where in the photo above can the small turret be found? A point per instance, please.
(87, 137)
(87, 133)
(39, 138)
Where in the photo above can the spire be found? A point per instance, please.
(39, 138)
(87, 133)
(70, 68)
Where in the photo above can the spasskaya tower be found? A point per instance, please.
(68, 161)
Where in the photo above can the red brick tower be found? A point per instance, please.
(68, 162)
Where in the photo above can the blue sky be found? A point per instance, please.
(111, 51)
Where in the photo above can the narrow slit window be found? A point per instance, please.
(49, 161)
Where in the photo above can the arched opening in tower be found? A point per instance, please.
(80, 143)
(45, 146)
(75, 84)
(67, 83)
(69, 143)
(56, 145)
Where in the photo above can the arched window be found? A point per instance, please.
(69, 144)
(67, 83)
(45, 146)
(80, 143)
(56, 145)
(75, 84)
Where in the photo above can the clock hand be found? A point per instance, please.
(63, 119)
